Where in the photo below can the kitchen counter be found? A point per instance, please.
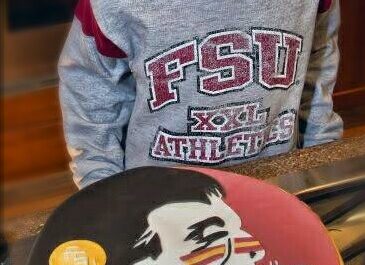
(302, 159)
(20, 231)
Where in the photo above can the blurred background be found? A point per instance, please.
(35, 170)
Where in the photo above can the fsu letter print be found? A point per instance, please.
(166, 69)
(226, 64)
(278, 57)
(215, 135)
(222, 55)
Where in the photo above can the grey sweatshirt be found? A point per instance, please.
(208, 83)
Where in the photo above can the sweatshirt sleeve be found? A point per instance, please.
(318, 123)
(97, 93)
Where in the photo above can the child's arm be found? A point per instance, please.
(318, 123)
(97, 93)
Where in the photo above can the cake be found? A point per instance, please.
(187, 216)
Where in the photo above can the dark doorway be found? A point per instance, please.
(24, 14)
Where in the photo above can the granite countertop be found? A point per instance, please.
(266, 168)
(302, 159)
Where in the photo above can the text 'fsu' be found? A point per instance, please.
(228, 60)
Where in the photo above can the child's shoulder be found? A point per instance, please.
(111, 6)
(104, 7)
(115, 11)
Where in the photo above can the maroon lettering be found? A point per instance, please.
(166, 69)
(226, 58)
(222, 55)
(214, 151)
(227, 118)
(254, 142)
(161, 148)
(231, 116)
(195, 147)
(253, 116)
(286, 126)
(276, 47)
(272, 135)
(233, 148)
(177, 144)
(204, 121)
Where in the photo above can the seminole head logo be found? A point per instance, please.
(168, 216)
(199, 233)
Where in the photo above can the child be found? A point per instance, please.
(196, 82)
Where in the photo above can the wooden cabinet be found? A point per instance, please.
(350, 88)
(32, 137)
(352, 45)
